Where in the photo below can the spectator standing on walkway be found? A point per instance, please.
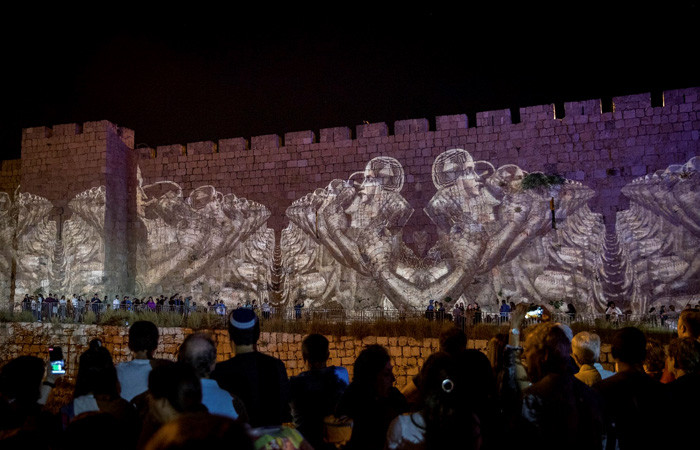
(505, 311)
(259, 380)
(430, 310)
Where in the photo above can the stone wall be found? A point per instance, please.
(408, 354)
(603, 150)
(86, 178)
(10, 173)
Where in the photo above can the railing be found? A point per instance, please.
(81, 313)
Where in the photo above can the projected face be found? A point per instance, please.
(382, 173)
(452, 166)
(382, 176)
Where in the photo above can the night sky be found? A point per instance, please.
(209, 74)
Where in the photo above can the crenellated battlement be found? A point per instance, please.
(539, 116)
(602, 143)
(72, 132)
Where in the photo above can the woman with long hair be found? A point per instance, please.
(446, 418)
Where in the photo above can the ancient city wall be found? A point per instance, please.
(208, 219)
(603, 150)
(408, 354)
(10, 173)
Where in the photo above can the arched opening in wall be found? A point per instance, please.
(514, 115)
(607, 105)
(559, 112)
(657, 99)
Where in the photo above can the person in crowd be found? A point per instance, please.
(62, 307)
(298, 306)
(174, 390)
(199, 351)
(556, 410)
(24, 387)
(612, 312)
(430, 310)
(458, 315)
(655, 361)
(96, 429)
(689, 324)
(97, 391)
(133, 375)
(446, 418)
(259, 380)
(453, 341)
(201, 431)
(633, 400)
(315, 392)
(684, 364)
(504, 311)
(371, 400)
(585, 349)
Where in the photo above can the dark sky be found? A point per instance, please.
(211, 73)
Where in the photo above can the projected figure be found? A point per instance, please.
(7, 234)
(659, 236)
(484, 218)
(188, 240)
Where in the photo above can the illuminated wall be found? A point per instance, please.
(91, 209)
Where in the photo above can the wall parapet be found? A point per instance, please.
(582, 111)
(90, 130)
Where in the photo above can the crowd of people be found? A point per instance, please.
(472, 314)
(547, 390)
(76, 306)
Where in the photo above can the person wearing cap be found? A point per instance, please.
(259, 380)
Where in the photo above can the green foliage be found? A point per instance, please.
(338, 325)
(89, 318)
(538, 179)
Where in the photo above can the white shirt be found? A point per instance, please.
(406, 432)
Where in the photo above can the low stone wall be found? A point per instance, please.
(408, 354)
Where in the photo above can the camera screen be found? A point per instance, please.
(58, 367)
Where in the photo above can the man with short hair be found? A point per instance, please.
(316, 392)
(634, 402)
(683, 362)
(199, 351)
(133, 375)
(689, 324)
(259, 380)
